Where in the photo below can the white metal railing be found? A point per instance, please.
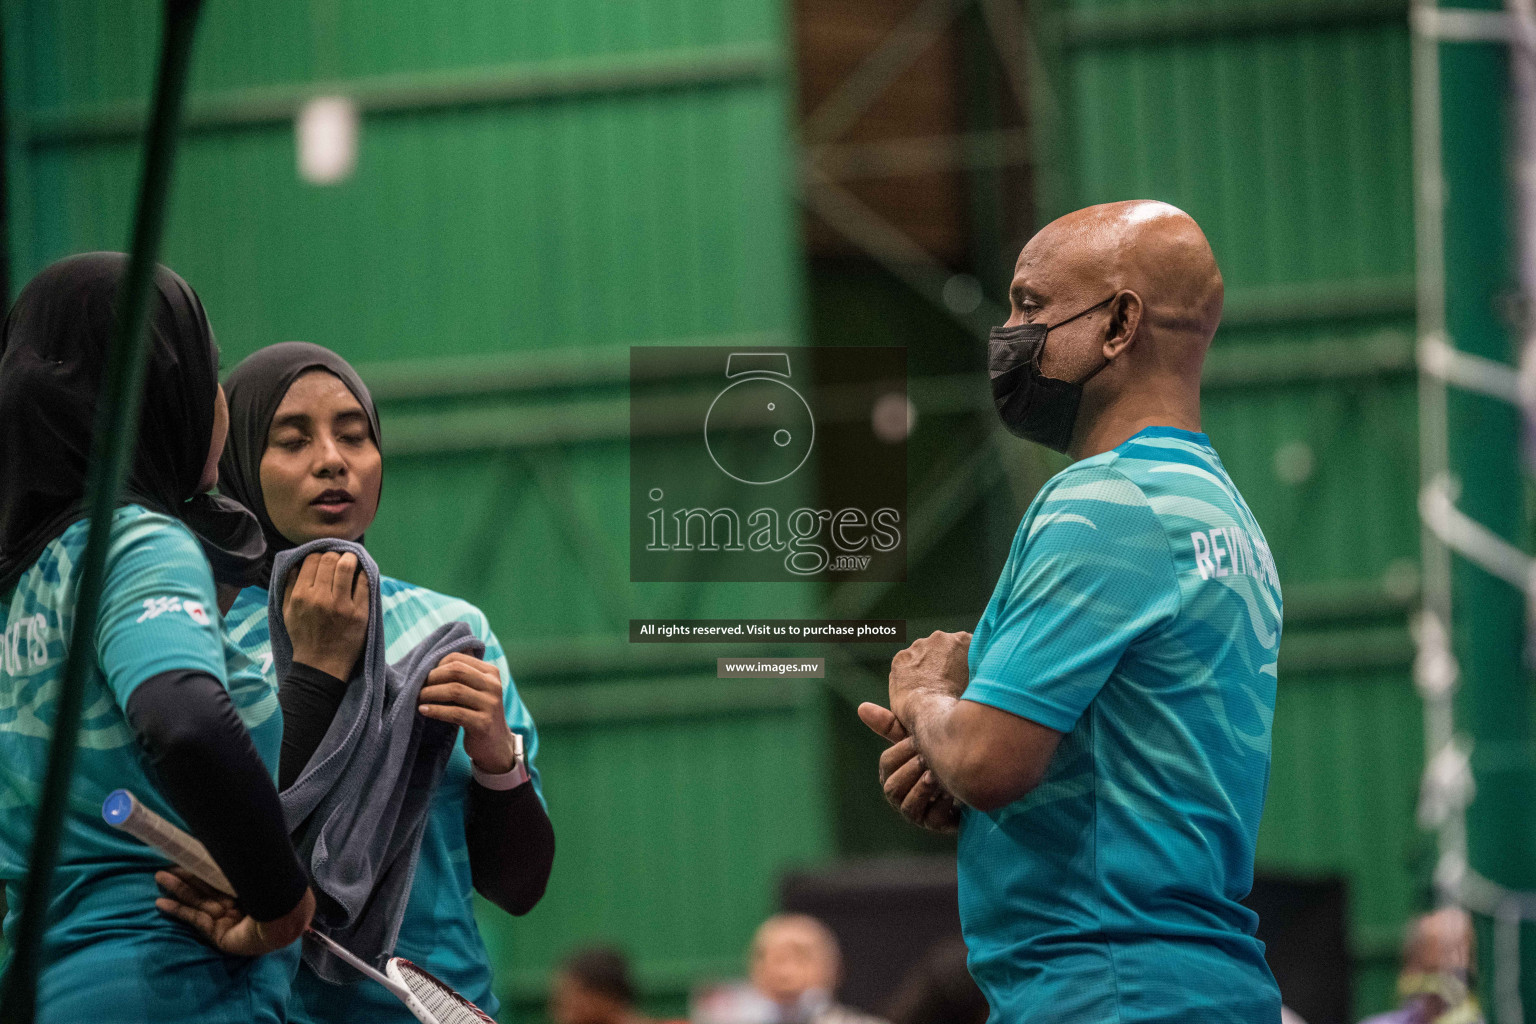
(1448, 786)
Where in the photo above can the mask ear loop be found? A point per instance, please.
(1040, 350)
(1080, 313)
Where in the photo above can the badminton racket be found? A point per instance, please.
(430, 1000)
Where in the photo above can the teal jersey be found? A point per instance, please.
(1139, 615)
(110, 955)
(438, 930)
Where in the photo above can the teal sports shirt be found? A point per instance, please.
(110, 955)
(438, 930)
(1139, 614)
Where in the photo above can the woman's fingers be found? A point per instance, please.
(488, 689)
(469, 660)
(196, 884)
(462, 663)
(334, 574)
(180, 889)
(308, 571)
(467, 675)
(300, 579)
(345, 576)
(196, 918)
(325, 571)
(449, 714)
(351, 587)
(458, 694)
(187, 904)
(329, 580)
(184, 894)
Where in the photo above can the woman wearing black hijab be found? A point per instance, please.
(304, 456)
(168, 702)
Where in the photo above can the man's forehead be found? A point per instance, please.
(1064, 254)
(791, 934)
(1035, 270)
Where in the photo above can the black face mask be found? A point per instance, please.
(1031, 405)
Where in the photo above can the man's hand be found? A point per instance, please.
(222, 923)
(934, 664)
(908, 784)
(325, 608)
(467, 691)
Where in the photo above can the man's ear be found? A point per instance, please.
(1125, 311)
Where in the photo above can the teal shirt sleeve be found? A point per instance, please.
(1091, 573)
(158, 609)
(518, 718)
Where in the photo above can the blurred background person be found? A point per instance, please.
(794, 969)
(595, 986)
(1436, 985)
(939, 990)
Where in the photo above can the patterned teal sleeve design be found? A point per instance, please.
(158, 609)
(1091, 573)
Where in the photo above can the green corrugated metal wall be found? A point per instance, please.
(1283, 128)
(539, 185)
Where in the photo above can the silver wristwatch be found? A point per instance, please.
(510, 779)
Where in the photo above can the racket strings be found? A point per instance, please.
(446, 1005)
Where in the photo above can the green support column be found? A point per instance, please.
(1494, 702)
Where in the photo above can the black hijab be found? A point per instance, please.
(53, 352)
(255, 389)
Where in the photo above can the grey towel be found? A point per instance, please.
(358, 810)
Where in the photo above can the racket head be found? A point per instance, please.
(433, 1001)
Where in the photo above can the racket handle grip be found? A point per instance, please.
(122, 810)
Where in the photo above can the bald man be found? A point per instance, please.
(1102, 740)
(1436, 985)
(795, 967)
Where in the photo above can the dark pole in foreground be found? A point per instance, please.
(115, 440)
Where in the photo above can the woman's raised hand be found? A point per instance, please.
(325, 608)
(467, 691)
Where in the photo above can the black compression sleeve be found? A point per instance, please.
(210, 772)
(309, 698)
(511, 846)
